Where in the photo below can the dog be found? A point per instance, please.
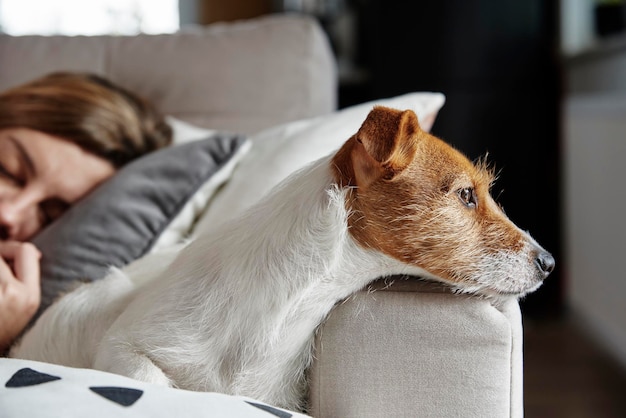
(236, 309)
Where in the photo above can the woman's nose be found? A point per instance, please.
(8, 222)
(19, 217)
(9, 219)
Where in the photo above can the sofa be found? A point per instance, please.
(401, 347)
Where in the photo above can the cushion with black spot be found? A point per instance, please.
(41, 390)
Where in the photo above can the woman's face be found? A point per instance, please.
(40, 177)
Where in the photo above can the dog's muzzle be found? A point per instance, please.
(544, 262)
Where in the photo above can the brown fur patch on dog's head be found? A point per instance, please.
(417, 199)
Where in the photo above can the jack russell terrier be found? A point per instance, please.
(237, 308)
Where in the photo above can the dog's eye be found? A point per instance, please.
(467, 196)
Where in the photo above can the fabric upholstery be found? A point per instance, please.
(240, 77)
(419, 353)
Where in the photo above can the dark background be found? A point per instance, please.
(497, 63)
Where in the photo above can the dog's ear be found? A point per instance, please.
(387, 142)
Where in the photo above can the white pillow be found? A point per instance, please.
(279, 151)
(183, 132)
(42, 390)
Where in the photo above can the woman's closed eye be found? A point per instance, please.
(9, 176)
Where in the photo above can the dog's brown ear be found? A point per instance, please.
(388, 142)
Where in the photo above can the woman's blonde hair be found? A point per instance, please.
(99, 116)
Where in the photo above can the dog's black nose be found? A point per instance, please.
(545, 262)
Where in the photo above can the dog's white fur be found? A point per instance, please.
(235, 310)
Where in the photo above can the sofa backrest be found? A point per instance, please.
(242, 76)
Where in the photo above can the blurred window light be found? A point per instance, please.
(88, 17)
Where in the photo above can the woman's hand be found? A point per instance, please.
(20, 293)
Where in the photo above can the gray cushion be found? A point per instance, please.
(121, 220)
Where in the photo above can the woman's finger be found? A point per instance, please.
(26, 265)
(6, 274)
(9, 248)
(21, 262)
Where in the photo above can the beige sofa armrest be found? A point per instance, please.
(416, 350)
(242, 77)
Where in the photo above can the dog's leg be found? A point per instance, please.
(124, 359)
(261, 381)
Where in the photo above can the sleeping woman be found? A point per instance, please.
(60, 136)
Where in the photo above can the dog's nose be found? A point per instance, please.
(545, 262)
